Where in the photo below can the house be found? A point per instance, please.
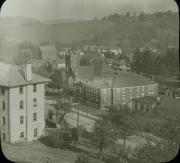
(116, 50)
(58, 63)
(130, 56)
(48, 52)
(146, 103)
(122, 65)
(98, 85)
(21, 103)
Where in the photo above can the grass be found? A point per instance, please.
(65, 32)
(35, 152)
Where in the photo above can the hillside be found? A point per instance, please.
(66, 32)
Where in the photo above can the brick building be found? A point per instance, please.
(98, 85)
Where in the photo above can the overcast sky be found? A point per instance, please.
(82, 9)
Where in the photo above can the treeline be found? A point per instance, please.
(164, 65)
(158, 30)
(19, 21)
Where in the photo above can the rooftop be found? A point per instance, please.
(146, 99)
(11, 76)
(48, 48)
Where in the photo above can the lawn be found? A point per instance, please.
(36, 152)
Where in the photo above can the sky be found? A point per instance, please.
(82, 9)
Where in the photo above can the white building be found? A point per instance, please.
(58, 63)
(21, 103)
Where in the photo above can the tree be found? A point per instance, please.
(142, 16)
(74, 136)
(136, 61)
(122, 119)
(57, 80)
(61, 109)
(100, 135)
(23, 57)
(45, 43)
(164, 71)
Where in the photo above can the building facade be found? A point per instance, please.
(22, 104)
(48, 52)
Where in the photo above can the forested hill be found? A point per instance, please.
(158, 30)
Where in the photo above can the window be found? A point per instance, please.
(35, 132)
(104, 100)
(2, 90)
(123, 97)
(86, 95)
(147, 108)
(97, 105)
(34, 87)
(123, 90)
(152, 93)
(152, 87)
(137, 89)
(20, 90)
(142, 94)
(149, 93)
(21, 120)
(21, 104)
(34, 116)
(118, 97)
(130, 89)
(2, 105)
(97, 91)
(142, 88)
(97, 98)
(34, 102)
(142, 107)
(86, 88)
(130, 105)
(21, 135)
(104, 91)
(3, 121)
(136, 105)
(148, 87)
(130, 96)
(4, 136)
(137, 95)
(92, 90)
(118, 90)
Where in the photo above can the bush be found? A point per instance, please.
(82, 158)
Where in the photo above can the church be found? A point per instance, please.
(98, 85)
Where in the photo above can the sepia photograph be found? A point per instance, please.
(89, 81)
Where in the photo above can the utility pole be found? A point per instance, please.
(78, 115)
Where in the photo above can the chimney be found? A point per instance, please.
(141, 73)
(28, 72)
(158, 99)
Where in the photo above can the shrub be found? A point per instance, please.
(82, 158)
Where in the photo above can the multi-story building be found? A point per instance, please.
(98, 85)
(48, 52)
(21, 103)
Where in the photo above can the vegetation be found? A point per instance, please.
(165, 65)
(61, 109)
(56, 80)
(82, 158)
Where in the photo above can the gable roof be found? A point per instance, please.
(101, 67)
(123, 79)
(11, 75)
(83, 72)
(48, 48)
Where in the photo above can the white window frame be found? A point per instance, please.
(142, 94)
(152, 87)
(3, 105)
(34, 118)
(21, 119)
(142, 88)
(34, 102)
(123, 90)
(130, 89)
(137, 89)
(138, 95)
(118, 91)
(130, 96)
(123, 98)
